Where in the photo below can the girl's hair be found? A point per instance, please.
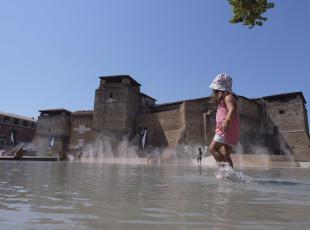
(218, 96)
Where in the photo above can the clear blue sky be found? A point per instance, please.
(52, 51)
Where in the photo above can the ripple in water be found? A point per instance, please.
(225, 172)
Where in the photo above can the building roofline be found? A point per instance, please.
(169, 103)
(83, 112)
(202, 98)
(179, 102)
(116, 78)
(55, 111)
(145, 95)
(283, 95)
(249, 99)
(166, 107)
(17, 116)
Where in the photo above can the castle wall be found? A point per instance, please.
(195, 127)
(163, 127)
(276, 123)
(53, 126)
(193, 124)
(81, 132)
(248, 107)
(23, 129)
(299, 144)
(116, 105)
(253, 127)
(132, 107)
(108, 113)
(288, 114)
(147, 104)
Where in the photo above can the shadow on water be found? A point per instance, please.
(278, 182)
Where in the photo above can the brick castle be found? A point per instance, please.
(274, 124)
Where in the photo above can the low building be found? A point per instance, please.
(15, 129)
(123, 115)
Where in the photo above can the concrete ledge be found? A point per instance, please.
(304, 164)
(256, 161)
(122, 160)
(240, 161)
(250, 160)
(26, 158)
(283, 164)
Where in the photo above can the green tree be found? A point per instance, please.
(249, 12)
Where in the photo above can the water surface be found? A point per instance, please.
(75, 195)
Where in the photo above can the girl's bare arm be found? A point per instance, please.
(231, 104)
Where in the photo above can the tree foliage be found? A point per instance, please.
(249, 12)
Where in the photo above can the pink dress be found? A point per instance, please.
(231, 135)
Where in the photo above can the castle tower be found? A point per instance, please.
(289, 114)
(117, 102)
(53, 132)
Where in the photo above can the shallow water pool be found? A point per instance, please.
(75, 195)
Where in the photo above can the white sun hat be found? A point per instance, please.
(222, 82)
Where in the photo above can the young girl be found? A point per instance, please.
(227, 119)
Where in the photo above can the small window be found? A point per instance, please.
(6, 119)
(25, 123)
(16, 121)
(281, 111)
(111, 95)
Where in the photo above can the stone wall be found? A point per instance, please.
(163, 127)
(191, 123)
(110, 113)
(288, 113)
(195, 127)
(81, 132)
(53, 126)
(200, 120)
(299, 144)
(147, 103)
(115, 109)
(23, 129)
(253, 127)
(21, 134)
(132, 106)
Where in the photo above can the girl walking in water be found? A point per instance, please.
(227, 119)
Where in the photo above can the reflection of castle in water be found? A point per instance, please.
(121, 112)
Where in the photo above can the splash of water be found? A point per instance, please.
(225, 172)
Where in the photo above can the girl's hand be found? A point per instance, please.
(224, 126)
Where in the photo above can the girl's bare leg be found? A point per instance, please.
(227, 155)
(214, 149)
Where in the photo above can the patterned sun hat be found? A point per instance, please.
(222, 82)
